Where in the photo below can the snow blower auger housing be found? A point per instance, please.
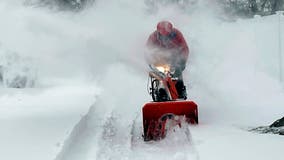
(167, 105)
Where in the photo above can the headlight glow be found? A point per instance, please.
(164, 68)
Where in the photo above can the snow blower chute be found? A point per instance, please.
(167, 104)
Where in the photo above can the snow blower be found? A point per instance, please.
(167, 105)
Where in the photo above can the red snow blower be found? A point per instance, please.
(167, 105)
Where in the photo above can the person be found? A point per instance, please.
(166, 45)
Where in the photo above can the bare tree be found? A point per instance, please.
(61, 4)
(248, 8)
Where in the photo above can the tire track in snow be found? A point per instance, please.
(115, 138)
(83, 139)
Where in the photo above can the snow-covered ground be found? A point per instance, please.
(91, 83)
(35, 122)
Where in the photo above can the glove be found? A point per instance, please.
(179, 67)
(178, 72)
(182, 66)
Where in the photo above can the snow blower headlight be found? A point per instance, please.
(163, 69)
